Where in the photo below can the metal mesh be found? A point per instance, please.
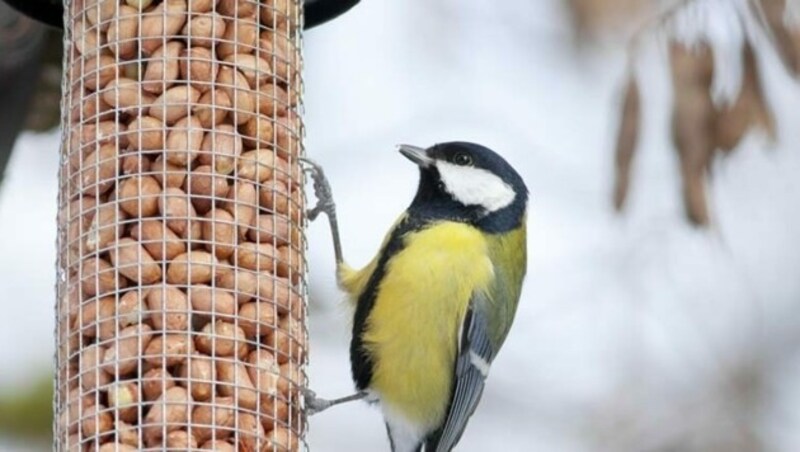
(181, 271)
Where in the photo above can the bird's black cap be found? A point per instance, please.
(457, 183)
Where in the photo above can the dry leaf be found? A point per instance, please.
(750, 108)
(693, 123)
(627, 138)
(787, 42)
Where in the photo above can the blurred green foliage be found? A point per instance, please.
(26, 412)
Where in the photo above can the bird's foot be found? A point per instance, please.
(316, 404)
(322, 190)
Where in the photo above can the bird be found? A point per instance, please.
(434, 306)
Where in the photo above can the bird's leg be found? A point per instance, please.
(316, 405)
(322, 190)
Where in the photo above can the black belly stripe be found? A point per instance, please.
(361, 362)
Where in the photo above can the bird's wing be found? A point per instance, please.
(475, 355)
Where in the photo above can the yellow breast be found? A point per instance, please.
(413, 328)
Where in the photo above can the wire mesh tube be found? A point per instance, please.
(181, 276)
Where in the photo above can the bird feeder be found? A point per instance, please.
(181, 252)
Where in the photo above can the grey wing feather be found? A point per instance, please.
(472, 365)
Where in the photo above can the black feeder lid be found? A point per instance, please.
(51, 12)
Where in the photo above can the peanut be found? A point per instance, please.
(219, 233)
(127, 434)
(169, 413)
(154, 382)
(134, 163)
(97, 318)
(277, 14)
(164, 21)
(273, 100)
(235, 85)
(92, 376)
(106, 227)
(129, 309)
(219, 446)
(205, 30)
(99, 278)
(179, 214)
(125, 95)
(215, 302)
(254, 68)
(138, 196)
(193, 267)
(257, 318)
(163, 69)
(256, 165)
(168, 350)
(88, 106)
(97, 420)
(256, 256)
(198, 68)
(290, 263)
(122, 357)
(214, 419)
(273, 195)
(235, 381)
(139, 4)
(163, 170)
(97, 72)
(205, 186)
(220, 148)
(134, 262)
(158, 240)
(146, 133)
(288, 340)
(252, 436)
(242, 203)
(276, 290)
(174, 104)
(244, 283)
(99, 170)
(258, 131)
(93, 135)
(86, 38)
(100, 12)
(276, 230)
(180, 440)
(212, 108)
(169, 308)
(123, 398)
(184, 140)
(281, 439)
(236, 8)
(202, 6)
(264, 371)
(123, 31)
(198, 375)
(222, 339)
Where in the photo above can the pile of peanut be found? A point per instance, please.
(181, 269)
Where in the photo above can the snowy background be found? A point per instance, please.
(635, 332)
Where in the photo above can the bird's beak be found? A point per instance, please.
(416, 155)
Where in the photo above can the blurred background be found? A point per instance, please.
(661, 144)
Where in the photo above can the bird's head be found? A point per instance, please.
(467, 182)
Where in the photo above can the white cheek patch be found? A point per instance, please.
(475, 186)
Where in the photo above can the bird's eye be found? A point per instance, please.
(462, 159)
(440, 186)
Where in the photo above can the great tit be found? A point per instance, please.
(433, 308)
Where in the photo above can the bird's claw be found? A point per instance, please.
(322, 190)
(313, 403)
